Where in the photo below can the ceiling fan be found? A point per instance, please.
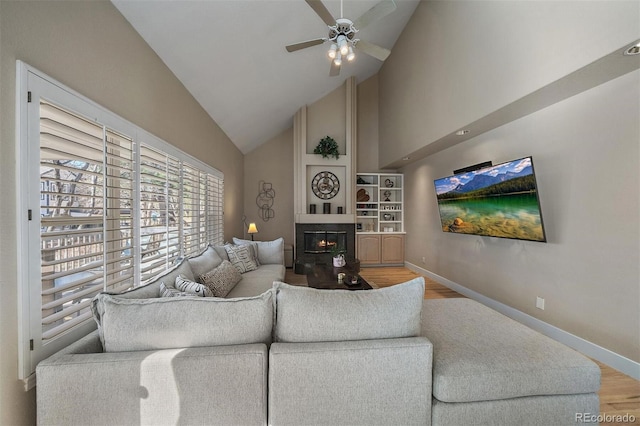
(342, 34)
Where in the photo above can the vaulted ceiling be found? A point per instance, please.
(230, 55)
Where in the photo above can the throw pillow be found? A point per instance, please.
(240, 257)
(197, 289)
(269, 252)
(168, 291)
(221, 279)
(253, 247)
(311, 315)
(184, 322)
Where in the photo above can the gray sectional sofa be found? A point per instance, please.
(300, 356)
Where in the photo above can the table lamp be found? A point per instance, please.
(252, 230)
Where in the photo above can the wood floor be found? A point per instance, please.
(619, 394)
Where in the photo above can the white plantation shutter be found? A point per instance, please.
(215, 205)
(190, 209)
(106, 211)
(160, 214)
(85, 246)
(119, 178)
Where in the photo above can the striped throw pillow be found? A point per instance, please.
(192, 287)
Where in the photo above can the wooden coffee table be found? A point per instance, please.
(325, 276)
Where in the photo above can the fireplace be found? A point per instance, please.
(317, 242)
(314, 241)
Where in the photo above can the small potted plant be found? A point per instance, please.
(327, 147)
(338, 256)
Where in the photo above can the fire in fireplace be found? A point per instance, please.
(324, 241)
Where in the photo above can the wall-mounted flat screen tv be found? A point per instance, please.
(497, 201)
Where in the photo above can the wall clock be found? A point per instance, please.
(325, 185)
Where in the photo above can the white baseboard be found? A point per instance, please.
(610, 358)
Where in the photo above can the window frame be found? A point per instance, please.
(31, 86)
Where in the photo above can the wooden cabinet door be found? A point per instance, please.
(392, 249)
(368, 247)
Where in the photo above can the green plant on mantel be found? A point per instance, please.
(336, 250)
(327, 147)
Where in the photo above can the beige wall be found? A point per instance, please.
(326, 117)
(459, 61)
(91, 48)
(587, 161)
(368, 125)
(273, 163)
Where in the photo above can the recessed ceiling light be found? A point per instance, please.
(405, 158)
(462, 132)
(633, 50)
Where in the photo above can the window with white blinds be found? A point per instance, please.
(160, 213)
(86, 227)
(113, 212)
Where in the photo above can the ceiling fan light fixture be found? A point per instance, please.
(343, 45)
(338, 60)
(333, 50)
(351, 55)
(342, 34)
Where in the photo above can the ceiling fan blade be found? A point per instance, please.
(374, 50)
(378, 11)
(322, 11)
(304, 44)
(334, 70)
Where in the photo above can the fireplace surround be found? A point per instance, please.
(314, 241)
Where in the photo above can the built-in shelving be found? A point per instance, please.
(380, 218)
(379, 202)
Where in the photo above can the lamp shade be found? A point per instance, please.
(252, 228)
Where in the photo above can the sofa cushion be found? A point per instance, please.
(480, 355)
(269, 252)
(192, 287)
(241, 258)
(310, 315)
(151, 287)
(258, 281)
(221, 252)
(222, 279)
(179, 322)
(204, 262)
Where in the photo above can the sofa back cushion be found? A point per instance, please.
(204, 262)
(179, 322)
(310, 315)
(269, 252)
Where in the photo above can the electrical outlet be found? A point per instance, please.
(540, 303)
(424, 260)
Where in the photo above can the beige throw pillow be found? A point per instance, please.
(221, 279)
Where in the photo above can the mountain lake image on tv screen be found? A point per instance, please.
(497, 201)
